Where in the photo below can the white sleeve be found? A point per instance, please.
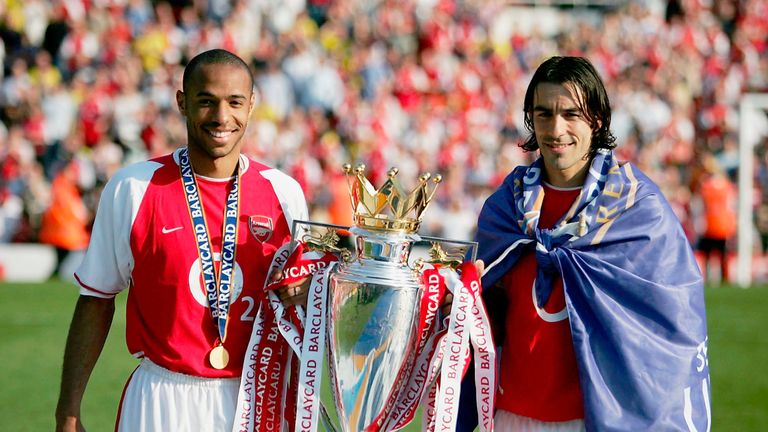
(108, 262)
(291, 198)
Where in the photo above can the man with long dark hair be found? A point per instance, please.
(599, 298)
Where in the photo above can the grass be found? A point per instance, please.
(35, 319)
(33, 333)
(738, 350)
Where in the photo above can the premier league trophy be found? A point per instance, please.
(374, 298)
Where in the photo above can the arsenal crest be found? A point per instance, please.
(260, 227)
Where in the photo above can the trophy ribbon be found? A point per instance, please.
(406, 394)
(262, 390)
(313, 352)
(442, 354)
(468, 324)
(455, 357)
(484, 350)
(307, 343)
(299, 265)
(428, 341)
(313, 327)
(279, 334)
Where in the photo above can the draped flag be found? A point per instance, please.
(633, 291)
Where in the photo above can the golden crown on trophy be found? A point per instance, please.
(389, 208)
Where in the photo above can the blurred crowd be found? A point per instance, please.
(424, 85)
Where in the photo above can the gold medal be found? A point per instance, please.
(219, 357)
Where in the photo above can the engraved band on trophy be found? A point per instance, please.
(374, 295)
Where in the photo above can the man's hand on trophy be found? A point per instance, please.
(480, 266)
(294, 293)
(445, 308)
(290, 293)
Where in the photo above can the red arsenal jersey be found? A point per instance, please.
(143, 240)
(538, 377)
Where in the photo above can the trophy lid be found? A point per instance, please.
(390, 207)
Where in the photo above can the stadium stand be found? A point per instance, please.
(425, 85)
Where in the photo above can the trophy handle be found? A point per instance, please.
(439, 255)
(326, 242)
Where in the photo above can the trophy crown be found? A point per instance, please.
(390, 207)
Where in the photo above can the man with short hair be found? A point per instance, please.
(193, 234)
(601, 321)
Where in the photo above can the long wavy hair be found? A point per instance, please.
(593, 100)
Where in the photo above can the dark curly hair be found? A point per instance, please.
(580, 73)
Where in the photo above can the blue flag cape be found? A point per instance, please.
(633, 292)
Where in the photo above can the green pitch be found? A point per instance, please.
(35, 319)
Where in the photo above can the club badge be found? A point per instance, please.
(260, 227)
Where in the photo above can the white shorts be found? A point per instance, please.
(505, 421)
(156, 399)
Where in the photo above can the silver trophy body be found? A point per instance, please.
(373, 313)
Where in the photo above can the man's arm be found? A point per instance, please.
(87, 333)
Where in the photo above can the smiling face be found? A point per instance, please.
(216, 104)
(563, 132)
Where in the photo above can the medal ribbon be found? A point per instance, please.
(218, 285)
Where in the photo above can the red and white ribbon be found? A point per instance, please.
(418, 376)
(455, 354)
(484, 351)
(468, 322)
(267, 401)
(312, 353)
(260, 398)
